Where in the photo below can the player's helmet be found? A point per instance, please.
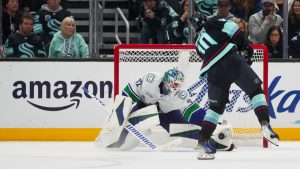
(173, 79)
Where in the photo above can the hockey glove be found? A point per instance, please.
(197, 20)
(248, 54)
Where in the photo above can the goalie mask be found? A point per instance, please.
(173, 79)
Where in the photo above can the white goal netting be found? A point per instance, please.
(131, 61)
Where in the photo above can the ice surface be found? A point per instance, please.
(84, 155)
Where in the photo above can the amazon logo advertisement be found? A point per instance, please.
(42, 94)
(288, 99)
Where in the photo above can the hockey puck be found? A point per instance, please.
(221, 136)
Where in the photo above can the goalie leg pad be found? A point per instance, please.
(143, 120)
(223, 135)
(148, 116)
(115, 121)
(184, 130)
(188, 132)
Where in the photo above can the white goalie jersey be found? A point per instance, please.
(148, 89)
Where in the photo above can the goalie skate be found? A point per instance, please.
(269, 134)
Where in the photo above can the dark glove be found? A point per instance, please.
(197, 21)
(248, 54)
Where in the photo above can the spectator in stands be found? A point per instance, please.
(206, 7)
(47, 21)
(23, 43)
(261, 22)
(224, 7)
(35, 5)
(274, 42)
(279, 7)
(244, 8)
(10, 18)
(133, 7)
(177, 32)
(294, 30)
(155, 15)
(67, 43)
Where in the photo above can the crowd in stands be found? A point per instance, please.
(261, 20)
(43, 28)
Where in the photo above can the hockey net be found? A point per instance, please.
(131, 61)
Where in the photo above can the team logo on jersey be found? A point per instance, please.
(47, 18)
(175, 24)
(69, 50)
(26, 50)
(54, 25)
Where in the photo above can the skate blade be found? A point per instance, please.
(267, 135)
(273, 141)
(206, 156)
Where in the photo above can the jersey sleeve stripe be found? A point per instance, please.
(130, 93)
(188, 112)
(214, 59)
(259, 100)
(214, 56)
(236, 34)
(230, 28)
(212, 116)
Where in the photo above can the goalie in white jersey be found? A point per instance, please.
(153, 100)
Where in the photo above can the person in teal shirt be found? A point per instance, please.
(67, 43)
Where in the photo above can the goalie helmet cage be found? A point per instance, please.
(161, 53)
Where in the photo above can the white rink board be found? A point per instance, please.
(284, 94)
(19, 113)
(135, 70)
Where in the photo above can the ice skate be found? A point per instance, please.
(269, 134)
(206, 149)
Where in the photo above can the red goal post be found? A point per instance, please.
(132, 60)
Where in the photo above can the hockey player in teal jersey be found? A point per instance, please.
(218, 43)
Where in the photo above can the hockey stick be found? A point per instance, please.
(137, 134)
